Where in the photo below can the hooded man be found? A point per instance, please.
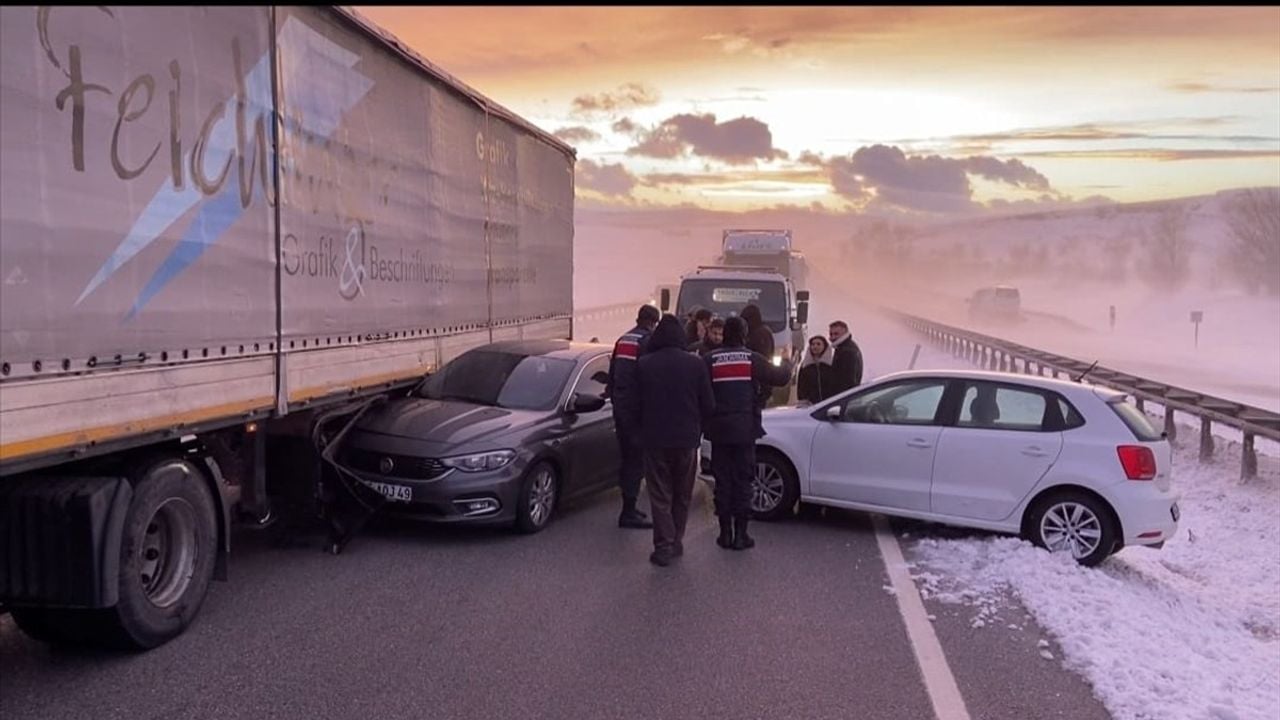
(847, 362)
(737, 377)
(675, 400)
(622, 391)
(759, 336)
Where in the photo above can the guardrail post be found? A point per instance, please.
(1248, 459)
(1026, 366)
(1142, 404)
(1170, 427)
(1206, 439)
(994, 362)
(1004, 362)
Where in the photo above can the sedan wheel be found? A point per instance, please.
(1073, 523)
(537, 499)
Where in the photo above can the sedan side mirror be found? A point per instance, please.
(586, 403)
(835, 413)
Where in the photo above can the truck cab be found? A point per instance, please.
(726, 290)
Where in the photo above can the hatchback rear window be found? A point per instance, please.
(1135, 420)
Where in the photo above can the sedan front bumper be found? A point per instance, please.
(455, 497)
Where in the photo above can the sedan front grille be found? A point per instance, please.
(402, 466)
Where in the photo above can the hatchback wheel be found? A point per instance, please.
(775, 489)
(537, 500)
(1074, 523)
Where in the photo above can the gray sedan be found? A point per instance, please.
(500, 435)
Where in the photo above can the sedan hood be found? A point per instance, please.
(446, 422)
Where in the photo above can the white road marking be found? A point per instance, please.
(948, 704)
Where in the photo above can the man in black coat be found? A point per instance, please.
(737, 378)
(621, 390)
(847, 362)
(674, 401)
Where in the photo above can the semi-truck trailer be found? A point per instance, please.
(218, 224)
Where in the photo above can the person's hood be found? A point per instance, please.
(826, 358)
(444, 423)
(751, 314)
(668, 334)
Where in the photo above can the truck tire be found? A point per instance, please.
(167, 555)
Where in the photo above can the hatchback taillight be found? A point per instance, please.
(1138, 461)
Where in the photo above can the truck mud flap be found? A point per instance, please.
(348, 504)
(60, 540)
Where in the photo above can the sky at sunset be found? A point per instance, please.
(930, 111)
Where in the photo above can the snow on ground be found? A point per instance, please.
(1189, 632)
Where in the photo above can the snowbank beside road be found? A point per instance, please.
(1189, 632)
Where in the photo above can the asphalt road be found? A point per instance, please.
(417, 622)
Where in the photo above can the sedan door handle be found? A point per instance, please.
(919, 443)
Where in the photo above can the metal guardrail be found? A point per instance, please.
(994, 353)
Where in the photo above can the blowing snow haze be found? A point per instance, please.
(1125, 157)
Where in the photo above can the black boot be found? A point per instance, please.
(631, 517)
(726, 532)
(741, 540)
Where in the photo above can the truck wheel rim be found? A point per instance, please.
(1071, 527)
(169, 552)
(767, 489)
(542, 497)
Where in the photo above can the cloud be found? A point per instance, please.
(800, 176)
(628, 96)
(931, 183)
(611, 179)
(625, 126)
(577, 134)
(1095, 131)
(737, 142)
(1202, 87)
(1156, 154)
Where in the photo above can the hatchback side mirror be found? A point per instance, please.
(835, 413)
(585, 403)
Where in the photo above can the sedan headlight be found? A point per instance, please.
(480, 462)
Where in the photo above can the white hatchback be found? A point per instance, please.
(1068, 466)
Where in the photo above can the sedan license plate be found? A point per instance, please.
(394, 493)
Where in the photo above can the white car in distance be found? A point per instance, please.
(1070, 467)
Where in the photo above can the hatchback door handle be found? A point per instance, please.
(1034, 452)
(919, 443)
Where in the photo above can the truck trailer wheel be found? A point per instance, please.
(167, 555)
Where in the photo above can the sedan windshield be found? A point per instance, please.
(505, 380)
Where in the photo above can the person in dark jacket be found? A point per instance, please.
(622, 391)
(737, 375)
(696, 329)
(674, 402)
(760, 339)
(714, 338)
(816, 380)
(759, 336)
(846, 363)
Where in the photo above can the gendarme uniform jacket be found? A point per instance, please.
(621, 388)
(736, 377)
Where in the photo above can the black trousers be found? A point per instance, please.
(631, 468)
(670, 473)
(734, 468)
